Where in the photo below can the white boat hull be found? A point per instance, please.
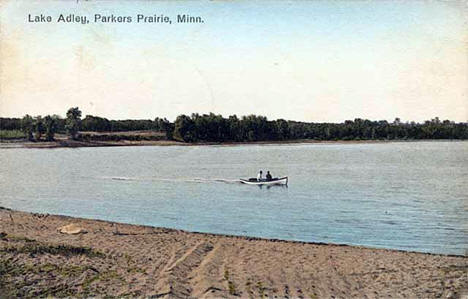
(277, 181)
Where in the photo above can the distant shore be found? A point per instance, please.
(64, 143)
(115, 259)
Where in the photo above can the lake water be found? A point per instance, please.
(402, 195)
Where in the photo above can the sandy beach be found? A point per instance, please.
(107, 258)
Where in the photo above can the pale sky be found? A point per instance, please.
(320, 61)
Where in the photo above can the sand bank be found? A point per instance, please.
(62, 143)
(115, 259)
(74, 143)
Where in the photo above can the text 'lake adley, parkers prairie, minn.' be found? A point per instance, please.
(100, 18)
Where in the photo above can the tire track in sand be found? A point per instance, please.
(175, 278)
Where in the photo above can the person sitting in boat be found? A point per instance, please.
(260, 176)
(268, 176)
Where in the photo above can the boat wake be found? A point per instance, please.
(188, 180)
(216, 180)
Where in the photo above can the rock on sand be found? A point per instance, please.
(71, 229)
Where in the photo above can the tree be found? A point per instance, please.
(162, 124)
(184, 129)
(39, 127)
(27, 126)
(169, 128)
(10, 123)
(73, 121)
(51, 125)
(283, 129)
(95, 123)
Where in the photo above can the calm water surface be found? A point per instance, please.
(410, 196)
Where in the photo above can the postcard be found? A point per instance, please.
(220, 149)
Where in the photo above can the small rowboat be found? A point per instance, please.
(274, 181)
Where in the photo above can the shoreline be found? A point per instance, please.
(65, 143)
(243, 237)
(139, 260)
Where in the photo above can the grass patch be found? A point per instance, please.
(18, 281)
(261, 289)
(11, 134)
(135, 270)
(34, 248)
(8, 268)
(104, 276)
(12, 287)
(66, 271)
(19, 278)
(248, 287)
(231, 285)
(128, 259)
(14, 238)
(232, 288)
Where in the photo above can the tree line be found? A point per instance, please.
(216, 128)
(211, 127)
(40, 128)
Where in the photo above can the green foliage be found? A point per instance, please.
(99, 124)
(14, 288)
(231, 285)
(11, 134)
(282, 128)
(19, 279)
(39, 127)
(184, 129)
(232, 288)
(215, 128)
(162, 124)
(27, 126)
(138, 136)
(7, 123)
(64, 250)
(95, 124)
(261, 289)
(51, 126)
(31, 127)
(14, 238)
(73, 121)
